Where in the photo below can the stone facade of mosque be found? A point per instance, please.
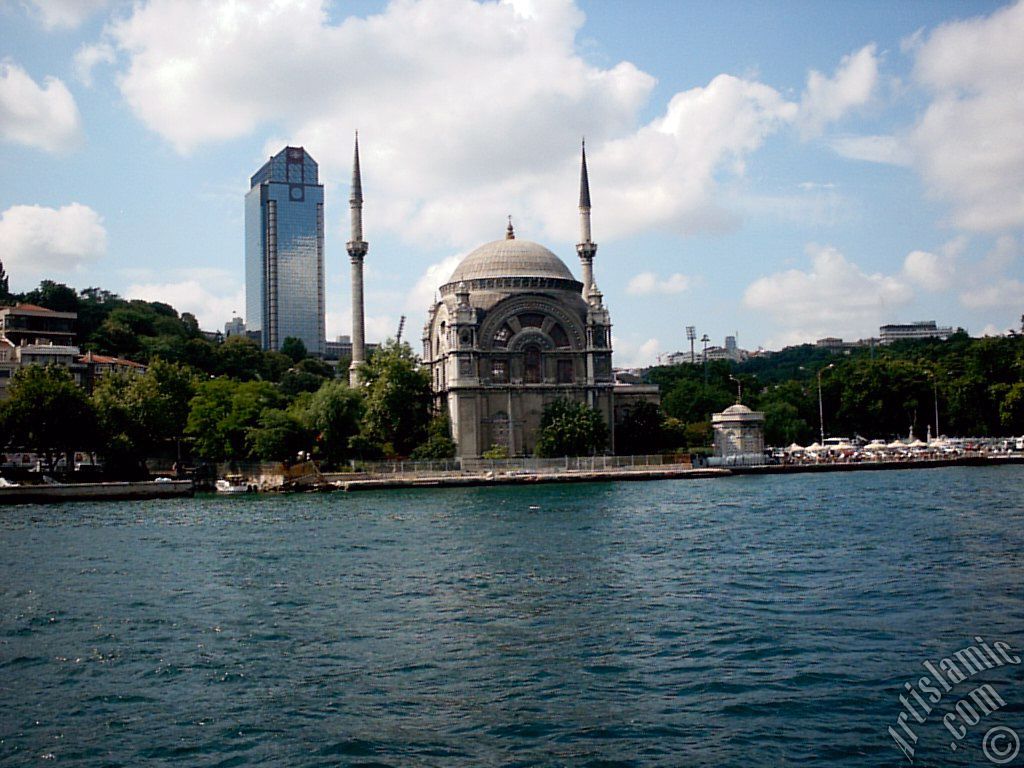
(513, 331)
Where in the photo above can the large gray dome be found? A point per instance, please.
(511, 258)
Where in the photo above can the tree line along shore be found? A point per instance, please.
(206, 400)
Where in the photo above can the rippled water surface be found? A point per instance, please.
(740, 621)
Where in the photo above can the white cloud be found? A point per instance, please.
(631, 354)
(88, 56)
(213, 297)
(1006, 294)
(381, 327)
(873, 149)
(834, 297)
(1003, 255)
(991, 330)
(66, 14)
(967, 144)
(468, 111)
(930, 271)
(827, 99)
(424, 293)
(45, 117)
(647, 283)
(38, 242)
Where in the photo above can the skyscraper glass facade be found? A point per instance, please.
(284, 251)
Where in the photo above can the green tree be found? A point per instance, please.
(123, 441)
(1011, 410)
(439, 443)
(222, 413)
(48, 413)
(278, 436)
(334, 413)
(397, 399)
(316, 367)
(274, 365)
(783, 424)
(294, 348)
(641, 430)
(5, 286)
(294, 382)
(208, 416)
(674, 433)
(238, 358)
(55, 296)
(568, 428)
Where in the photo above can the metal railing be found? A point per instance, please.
(520, 465)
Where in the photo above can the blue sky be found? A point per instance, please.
(783, 171)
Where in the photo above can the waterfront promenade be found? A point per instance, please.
(595, 473)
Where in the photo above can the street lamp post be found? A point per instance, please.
(739, 389)
(821, 406)
(705, 341)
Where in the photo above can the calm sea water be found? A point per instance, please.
(742, 621)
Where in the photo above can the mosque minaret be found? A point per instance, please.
(586, 248)
(357, 248)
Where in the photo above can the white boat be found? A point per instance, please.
(232, 485)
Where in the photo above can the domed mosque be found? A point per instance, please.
(513, 331)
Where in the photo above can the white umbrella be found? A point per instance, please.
(918, 444)
(897, 444)
(814, 447)
(795, 448)
(875, 446)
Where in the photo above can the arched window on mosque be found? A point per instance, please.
(565, 372)
(533, 365)
(559, 336)
(499, 429)
(499, 371)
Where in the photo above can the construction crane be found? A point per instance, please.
(401, 325)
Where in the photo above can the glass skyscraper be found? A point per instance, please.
(284, 251)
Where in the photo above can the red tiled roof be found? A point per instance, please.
(92, 357)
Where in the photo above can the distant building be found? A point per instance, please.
(31, 324)
(93, 367)
(234, 327)
(341, 348)
(922, 329)
(284, 251)
(730, 351)
(8, 365)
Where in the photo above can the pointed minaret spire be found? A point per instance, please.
(357, 248)
(586, 248)
(356, 196)
(510, 233)
(584, 181)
